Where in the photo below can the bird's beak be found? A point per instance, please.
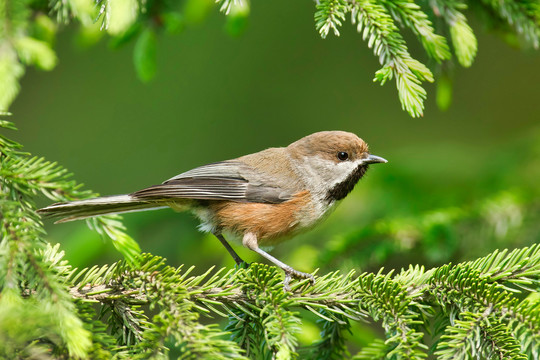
(373, 159)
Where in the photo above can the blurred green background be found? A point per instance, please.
(458, 184)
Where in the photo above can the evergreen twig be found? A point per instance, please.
(27, 35)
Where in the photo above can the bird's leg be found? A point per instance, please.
(250, 241)
(231, 251)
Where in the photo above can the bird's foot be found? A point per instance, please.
(290, 273)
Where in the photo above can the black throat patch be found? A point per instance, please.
(339, 191)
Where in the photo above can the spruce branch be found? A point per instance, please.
(260, 312)
(280, 325)
(264, 314)
(27, 35)
(27, 262)
(478, 336)
(18, 49)
(104, 346)
(468, 290)
(411, 15)
(463, 38)
(378, 28)
(329, 16)
(519, 268)
(386, 299)
(333, 339)
(247, 331)
(226, 6)
(24, 260)
(375, 350)
(26, 176)
(522, 16)
(22, 264)
(524, 326)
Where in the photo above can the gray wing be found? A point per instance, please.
(226, 180)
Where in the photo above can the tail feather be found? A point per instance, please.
(82, 209)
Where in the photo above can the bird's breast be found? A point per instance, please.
(270, 222)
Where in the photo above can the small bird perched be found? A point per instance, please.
(263, 198)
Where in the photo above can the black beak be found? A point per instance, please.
(373, 159)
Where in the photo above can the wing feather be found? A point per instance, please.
(226, 180)
(223, 169)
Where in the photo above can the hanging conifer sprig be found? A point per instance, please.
(379, 22)
(27, 35)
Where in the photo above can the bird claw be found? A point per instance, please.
(286, 281)
(290, 272)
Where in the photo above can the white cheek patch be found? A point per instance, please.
(343, 170)
(320, 175)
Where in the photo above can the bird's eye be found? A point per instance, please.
(342, 155)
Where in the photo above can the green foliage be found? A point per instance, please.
(24, 264)
(463, 39)
(378, 22)
(27, 262)
(378, 28)
(143, 308)
(481, 315)
(330, 16)
(438, 235)
(27, 36)
(332, 344)
(144, 55)
(480, 298)
(24, 176)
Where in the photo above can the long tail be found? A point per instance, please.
(82, 209)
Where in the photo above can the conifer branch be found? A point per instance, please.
(523, 16)
(22, 253)
(226, 6)
(411, 15)
(463, 39)
(481, 336)
(467, 291)
(27, 176)
(329, 16)
(247, 331)
(333, 338)
(27, 35)
(375, 350)
(378, 28)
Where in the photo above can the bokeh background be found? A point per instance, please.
(459, 183)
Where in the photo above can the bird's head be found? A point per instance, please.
(332, 162)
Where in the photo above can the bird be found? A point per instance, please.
(262, 198)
